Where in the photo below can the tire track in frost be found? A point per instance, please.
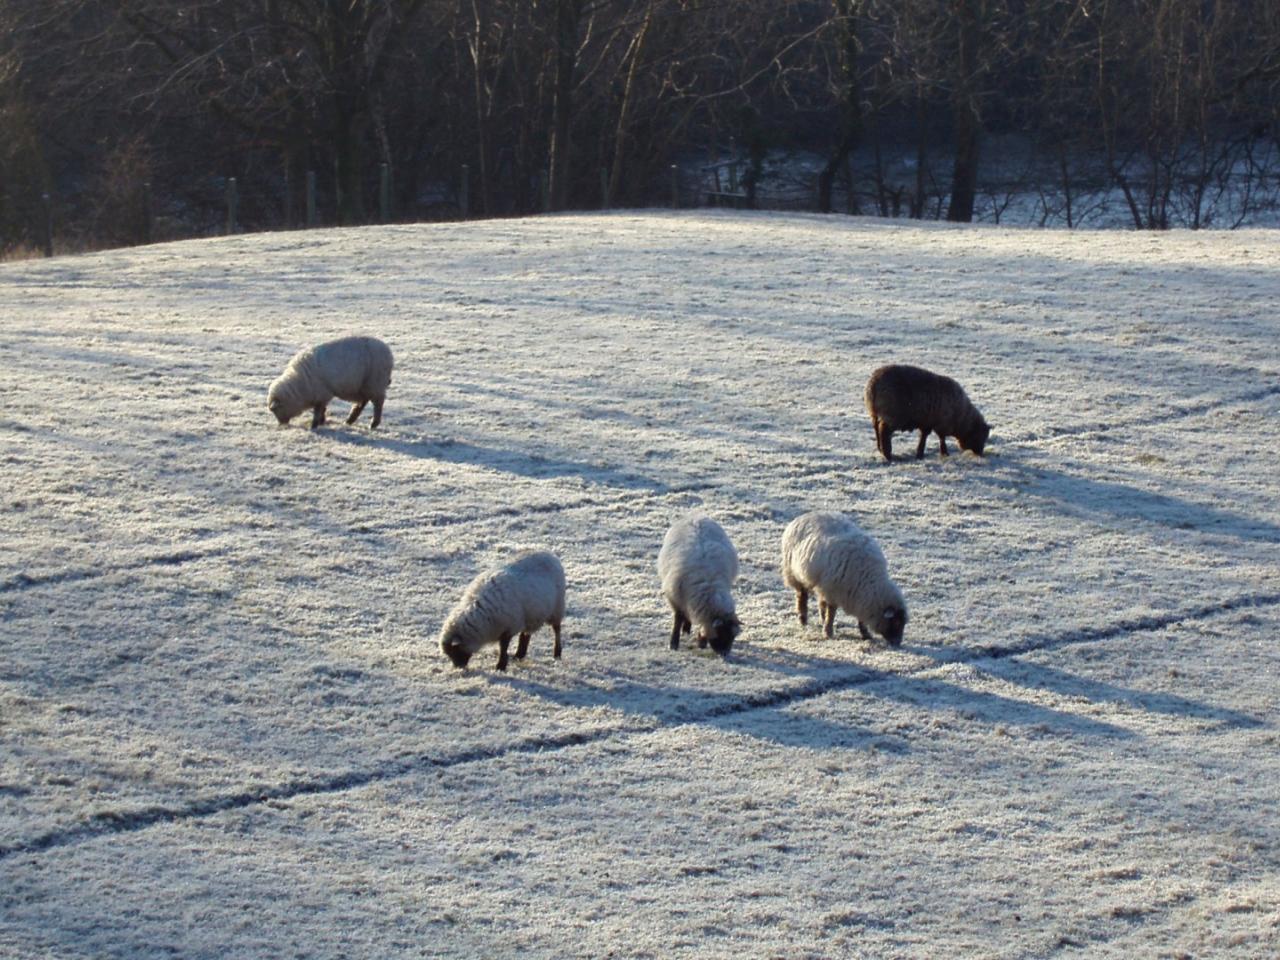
(26, 581)
(1169, 416)
(134, 821)
(1132, 625)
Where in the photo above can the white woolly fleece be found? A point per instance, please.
(828, 554)
(697, 566)
(517, 598)
(352, 368)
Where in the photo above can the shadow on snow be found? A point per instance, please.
(532, 465)
(768, 715)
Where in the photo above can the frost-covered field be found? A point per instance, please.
(226, 729)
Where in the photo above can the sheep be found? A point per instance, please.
(826, 553)
(512, 600)
(697, 566)
(902, 397)
(357, 369)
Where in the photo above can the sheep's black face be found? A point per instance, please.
(976, 441)
(456, 652)
(722, 634)
(891, 625)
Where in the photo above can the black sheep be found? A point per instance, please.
(902, 397)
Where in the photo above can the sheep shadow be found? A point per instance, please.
(933, 692)
(534, 466)
(767, 714)
(1095, 499)
(1039, 676)
(671, 706)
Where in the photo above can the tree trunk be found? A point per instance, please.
(566, 61)
(479, 61)
(922, 156)
(624, 111)
(850, 106)
(964, 174)
(347, 149)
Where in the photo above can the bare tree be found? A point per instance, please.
(579, 102)
(848, 89)
(289, 72)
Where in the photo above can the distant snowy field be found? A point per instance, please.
(226, 729)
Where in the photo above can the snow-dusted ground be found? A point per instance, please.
(226, 728)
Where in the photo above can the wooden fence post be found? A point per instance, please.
(604, 188)
(148, 215)
(311, 198)
(675, 187)
(47, 204)
(337, 191)
(233, 200)
(464, 195)
(384, 192)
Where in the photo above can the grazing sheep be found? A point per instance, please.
(357, 369)
(902, 397)
(697, 566)
(504, 602)
(827, 554)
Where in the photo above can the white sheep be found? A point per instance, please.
(356, 369)
(512, 600)
(827, 554)
(697, 566)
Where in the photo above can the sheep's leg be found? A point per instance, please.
(829, 621)
(503, 642)
(555, 629)
(523, 647)
(675, 631)
(942, 446)
(886, 441)
(356, 411)
(377, 412)
(317, 415)
(862, 629)
(802, 605)
(924, 435)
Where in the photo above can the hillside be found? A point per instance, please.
(226, 728)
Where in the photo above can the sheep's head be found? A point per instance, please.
(455, 650)
(721, 634)
(975, 438)
(275, 405)
(891, 623)
(281, 404)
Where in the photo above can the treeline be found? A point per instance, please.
(130, 115)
